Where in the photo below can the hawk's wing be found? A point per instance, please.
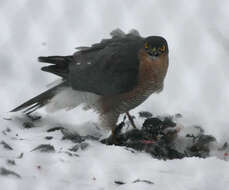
(108, 68)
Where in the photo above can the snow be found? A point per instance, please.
(97, 166)
(196, 86)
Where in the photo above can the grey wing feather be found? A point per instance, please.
(134, 32)
(117, 33)
(106, 68)
(113, 68)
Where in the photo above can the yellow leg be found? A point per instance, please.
(113, 138)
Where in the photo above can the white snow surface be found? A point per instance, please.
(98, 166)
(196, 86)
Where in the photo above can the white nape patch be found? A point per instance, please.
(54, 83)
(89, 63)
(78, 63)
(67, 99)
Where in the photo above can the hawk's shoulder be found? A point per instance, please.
(113, 67)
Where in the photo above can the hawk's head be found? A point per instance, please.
(155, 46)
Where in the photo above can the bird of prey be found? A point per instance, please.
(110, 77)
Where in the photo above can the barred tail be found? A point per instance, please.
(39, 101)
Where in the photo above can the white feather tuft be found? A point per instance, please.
(67, 99)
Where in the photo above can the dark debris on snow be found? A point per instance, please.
(44, 148)
(157, 137)
(135, 181)
(5, 145)
(7, 172)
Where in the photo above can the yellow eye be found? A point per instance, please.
(162, 48)
(146, 45)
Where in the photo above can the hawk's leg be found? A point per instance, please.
(108, 121)
(131, 120)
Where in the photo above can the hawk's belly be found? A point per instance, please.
(134, 98)
(124, 102)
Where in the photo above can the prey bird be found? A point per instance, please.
(110, 77)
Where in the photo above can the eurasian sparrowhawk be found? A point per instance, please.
(111, 77)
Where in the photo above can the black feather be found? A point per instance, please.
(60, 64)
(57, 60)
(55, 69)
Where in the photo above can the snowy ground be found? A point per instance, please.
(196, 86)
(95, 165)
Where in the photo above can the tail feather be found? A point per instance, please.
(57, 70)
(57, 60)
(59, 64)
(38, 101)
